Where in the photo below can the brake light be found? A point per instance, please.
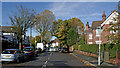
(31, 51)
(15, 52)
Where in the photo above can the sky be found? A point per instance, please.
(85, 11)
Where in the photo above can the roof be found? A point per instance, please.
(95, 24)
(13, 49)
(88, 31)
(108, 17)
(8, 29)
(28, 47)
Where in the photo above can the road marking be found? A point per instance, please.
(46, 62)
(50, 54)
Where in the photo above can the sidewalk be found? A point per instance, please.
(92, 60)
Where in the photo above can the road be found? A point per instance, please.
(49, 59)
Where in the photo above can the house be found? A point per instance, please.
(55, 43)
(94, 33)
(9, 33)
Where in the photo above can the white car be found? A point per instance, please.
(12, 55)
(52, 49)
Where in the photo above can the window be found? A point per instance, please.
(97, 42)
(90, 42)
(98, 31)
(90, 36)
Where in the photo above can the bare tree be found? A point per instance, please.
(44, 22)
(22, 22)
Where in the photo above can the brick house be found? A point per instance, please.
(92, 33)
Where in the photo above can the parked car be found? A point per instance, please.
(29, 51)
(52, 49)
(38, 50)
(12, 55)
(65, 50)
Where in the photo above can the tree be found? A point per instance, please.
(38, 40)
(61, 33)
(63, 30)
(77, 24)
(114, 37)
(22, 22)
(44, 22)
(71, 37)
(82, 41)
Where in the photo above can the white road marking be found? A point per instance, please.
(50, 54)
(46, 62)
(44, 66)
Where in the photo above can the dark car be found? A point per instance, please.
(38, 50)
(65, 50)
(29, 51)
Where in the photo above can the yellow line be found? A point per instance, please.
(87, 64)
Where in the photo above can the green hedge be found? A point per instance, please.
(94, 48)
(89, 48)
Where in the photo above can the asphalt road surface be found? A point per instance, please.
(48, 59)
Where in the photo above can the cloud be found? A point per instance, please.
(64, 9)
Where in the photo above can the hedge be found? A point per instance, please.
(94, 48)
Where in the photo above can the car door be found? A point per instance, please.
(16, 55)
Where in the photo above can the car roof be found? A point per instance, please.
(28, 47)
(13, 49)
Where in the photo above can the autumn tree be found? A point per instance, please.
(22, 21)
(44, 23)
(38, 40)
(61, 33)
(78, 25)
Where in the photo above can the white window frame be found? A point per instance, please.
(97, 42)
(98, 32)
(90, 42)
(90, 36)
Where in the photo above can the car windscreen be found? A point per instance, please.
(27, 49)
(8, 52)
(65, 48)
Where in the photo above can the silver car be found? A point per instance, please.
(52, 49)
(12, 55)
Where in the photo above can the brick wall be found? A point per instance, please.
(87, 39)
(103, 34)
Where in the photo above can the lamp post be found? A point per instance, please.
(99, 45)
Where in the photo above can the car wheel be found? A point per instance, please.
(18, 60)
(3, 62)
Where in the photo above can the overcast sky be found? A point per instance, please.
(85, 11)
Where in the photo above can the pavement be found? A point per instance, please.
(92, 61)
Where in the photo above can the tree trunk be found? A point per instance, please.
(20, 44)
(116, 58)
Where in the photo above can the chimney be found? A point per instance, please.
(87, 26)
(104, 16)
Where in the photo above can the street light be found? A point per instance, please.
(99, 45)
